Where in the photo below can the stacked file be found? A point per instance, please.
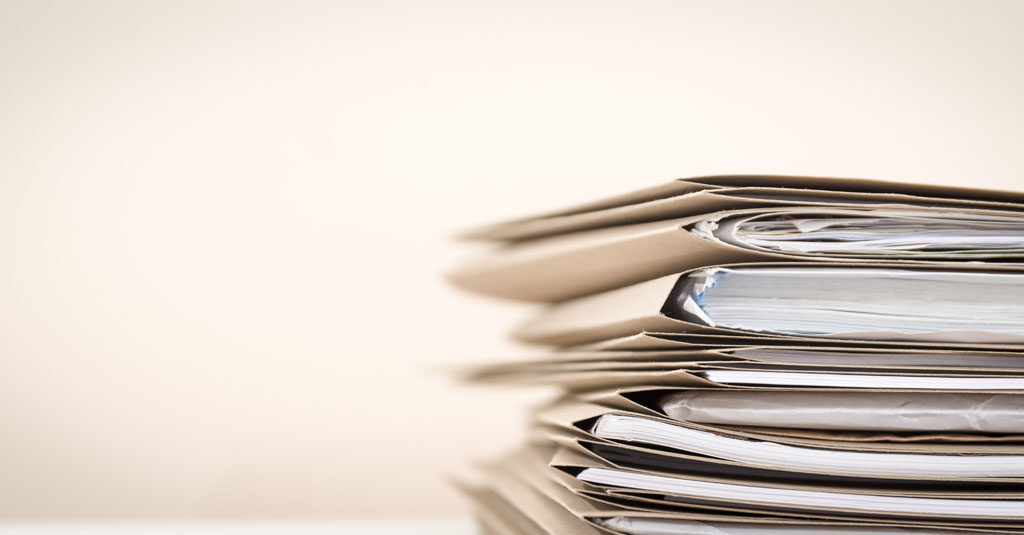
(765, 355)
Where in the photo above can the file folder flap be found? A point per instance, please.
(545, 513)
(768, 380)
(665, 341)
(581, 263)
(601, 379)
(688, 197)
(862, 185)
(572, 265)
(938, 370)
(576, 417)
(529, 468)
(622, 312)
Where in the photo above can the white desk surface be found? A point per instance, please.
(403, 526)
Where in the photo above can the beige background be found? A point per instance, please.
(223, 224)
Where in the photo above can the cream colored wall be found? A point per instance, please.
(223, 224)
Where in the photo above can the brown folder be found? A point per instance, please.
(581, 263)
(700, 195)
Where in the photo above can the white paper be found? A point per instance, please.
(919, 412)
(664, 526)
(861, 303)
(873, 233)
(771, 455)
(853, 380)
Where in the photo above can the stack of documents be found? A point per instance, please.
(764, 355)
